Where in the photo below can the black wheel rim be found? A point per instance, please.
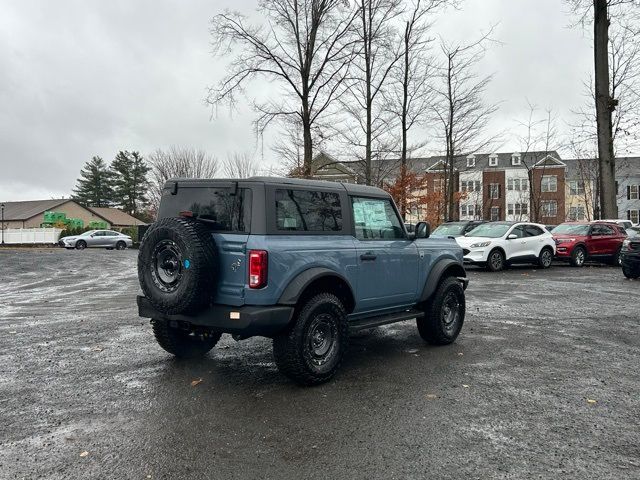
(579, 257)
(546, 258)
(81, 245)
(166, 265)
(322, 340)
(450, 312)
(496, 261)
(120, 246)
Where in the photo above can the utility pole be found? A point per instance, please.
(2, 222)
(605, 105)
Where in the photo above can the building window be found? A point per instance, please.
(576, 187)
(495, 214)
(438, 185)
(576, 213)
(517, 209)
(469, 186)
(633, 215)
(493, 160)
(515, 159)
(632, 193)
(549, 208)
(549, 183)
(471, 161)
(463, 210)
(494, 191)
(518, 184)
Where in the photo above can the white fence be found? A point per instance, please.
(31, 235)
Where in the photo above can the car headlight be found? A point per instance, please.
(626, 243)
(480, 244)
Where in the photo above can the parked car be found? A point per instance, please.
(578, 242)
(497, 244)
(456, 229)
(633, 232)
(623, 223)
(300, 261)
(97, 238)
(630, 257)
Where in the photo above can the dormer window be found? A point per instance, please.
(471, 161)
(515, 159)
(493, 160)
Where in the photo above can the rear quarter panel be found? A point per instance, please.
(290, 255)
(431, 251)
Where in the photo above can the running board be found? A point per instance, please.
(370, 322)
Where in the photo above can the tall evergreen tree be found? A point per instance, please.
(130, 181)
(94, 188)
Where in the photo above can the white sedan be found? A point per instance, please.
(497, 244)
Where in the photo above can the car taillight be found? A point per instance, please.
(258, 261)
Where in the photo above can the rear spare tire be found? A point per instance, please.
(177, 265)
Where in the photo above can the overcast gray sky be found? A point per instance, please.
(89, 77)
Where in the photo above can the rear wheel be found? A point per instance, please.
(310, 351)
(616, 260)
(184, 343)
(121, 245)
(81, 244)
(578, 256)
(444, 313)
(496, 260)
(546, 258)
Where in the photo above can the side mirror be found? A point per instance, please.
(423, 230)
(512, 236)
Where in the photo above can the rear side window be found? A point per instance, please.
(224, 210)
(533, 231)
(308, 211)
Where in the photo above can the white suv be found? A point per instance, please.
(496, 244)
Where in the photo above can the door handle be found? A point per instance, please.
(368, 256)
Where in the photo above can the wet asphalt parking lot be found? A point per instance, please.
(542, 383)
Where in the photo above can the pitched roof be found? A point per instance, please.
(31, 208)
(116, 217)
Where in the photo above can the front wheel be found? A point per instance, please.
(81, 245)
(578, 256)
(444, 314)
(546, 258)
(310, 351)
(496, 260)
(184, 343)
(631, 273)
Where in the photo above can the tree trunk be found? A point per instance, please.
(405, 108)
(308, 143)
(604, 108)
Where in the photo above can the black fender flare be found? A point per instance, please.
(300, 282)
(437, 272)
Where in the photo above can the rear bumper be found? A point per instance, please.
(246, 321)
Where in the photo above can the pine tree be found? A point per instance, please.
(94, 188)
(130, 184)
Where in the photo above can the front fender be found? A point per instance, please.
(442, 267)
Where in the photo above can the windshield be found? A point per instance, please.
(447, 229)
(571, 229)
(489, 230)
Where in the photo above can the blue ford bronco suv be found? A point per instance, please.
(303, 262)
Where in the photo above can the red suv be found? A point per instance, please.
(577, 242)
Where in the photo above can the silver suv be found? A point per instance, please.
(97, 238)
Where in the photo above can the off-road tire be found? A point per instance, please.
(81, 245)
(195, 265)
(292, 349)
(631, 273)
(546, 258)
(121, 245)
(578, 257)
(182, 343)
(433, 326)
(493, 265)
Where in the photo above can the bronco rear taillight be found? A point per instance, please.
(258, 261)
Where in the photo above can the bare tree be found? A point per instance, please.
(303, 47)
(460, 109)
(369, 124)
(177, 162)
(601, 13)
(289, 147)
(409, 97)
(537, 141)
(240, 165)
